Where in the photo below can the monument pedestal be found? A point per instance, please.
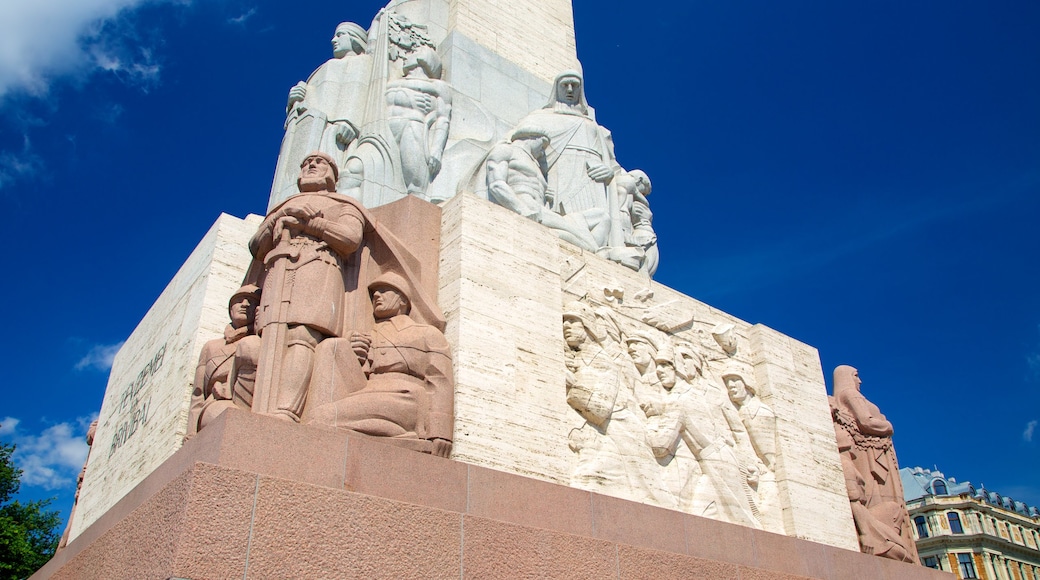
(255, 497)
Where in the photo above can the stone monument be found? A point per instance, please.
(871, 471)
(445, 341)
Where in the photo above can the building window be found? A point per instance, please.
(966, 565)
(939, 487)
(922, 527)
(955, 523)
(931, 562)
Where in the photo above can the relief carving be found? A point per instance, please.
(325, 113)
(871, 471)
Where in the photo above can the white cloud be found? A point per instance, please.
(241, 18)
(1027, 435)
(41, 40)
(99, 357)
(53, 458)
(8, 425)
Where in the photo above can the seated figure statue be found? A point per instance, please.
(409, 388)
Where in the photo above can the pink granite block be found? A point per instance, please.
(493, 549)
(215, 535)
(707, 538)
(276, 448)
(307, 531)
(636, 524)
(638, 563)
(384, 470)
(528, 502)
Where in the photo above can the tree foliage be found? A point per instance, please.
(28, 531)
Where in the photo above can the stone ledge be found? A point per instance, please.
(257, 497)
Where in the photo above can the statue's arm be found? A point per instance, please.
(262, 241)
(868, 418)
(342, 232)
(439, 129)
(663, 433)
(440, 380)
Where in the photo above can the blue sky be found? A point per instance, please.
(863, 178)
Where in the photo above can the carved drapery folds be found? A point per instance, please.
(664, 419)
(871, 471)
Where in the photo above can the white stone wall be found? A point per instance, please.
(538, 36)
(504, 281)
(144, 414)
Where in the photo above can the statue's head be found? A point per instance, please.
(349, 37)
(642, 182)
(666, 372)
(846, 378)
(569, 89)
(318, 172)
(579, 322)
(425, 58)
(737, 388)
(641, 348)
(531, 133)
(242, 305)
(389, 294)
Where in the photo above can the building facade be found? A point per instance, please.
(971, 532)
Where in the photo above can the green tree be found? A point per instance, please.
(28, 532)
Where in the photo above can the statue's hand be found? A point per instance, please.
(441, 447)
(360, 344)
(550, 197)
(297, 94)
(345, 134)
(650, 408)
(600, 173)
(304, 213)
(435, 166)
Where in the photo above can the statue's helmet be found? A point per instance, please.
(392, 280)
(249, 291)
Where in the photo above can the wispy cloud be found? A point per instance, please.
(16, 165)
(51, 459)
(99, 357)
(46, 40)
(240, 20)
(8, 425)
(1027, 435)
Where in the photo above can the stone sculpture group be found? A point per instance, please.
(381, 111)
(659, 426)
(332, 326)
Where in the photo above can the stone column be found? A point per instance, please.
(537, 36)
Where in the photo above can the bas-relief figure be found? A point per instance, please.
(408, 116)
(214, 389)
(600, 387)
(692, 412)
(871, 471)
(516, 179)
(586, 198)
(325, 112)
(323, 353)
(759, 425)
(419, 114)
(660, 426)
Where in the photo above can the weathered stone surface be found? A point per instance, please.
(144, 413)
(505, 285)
